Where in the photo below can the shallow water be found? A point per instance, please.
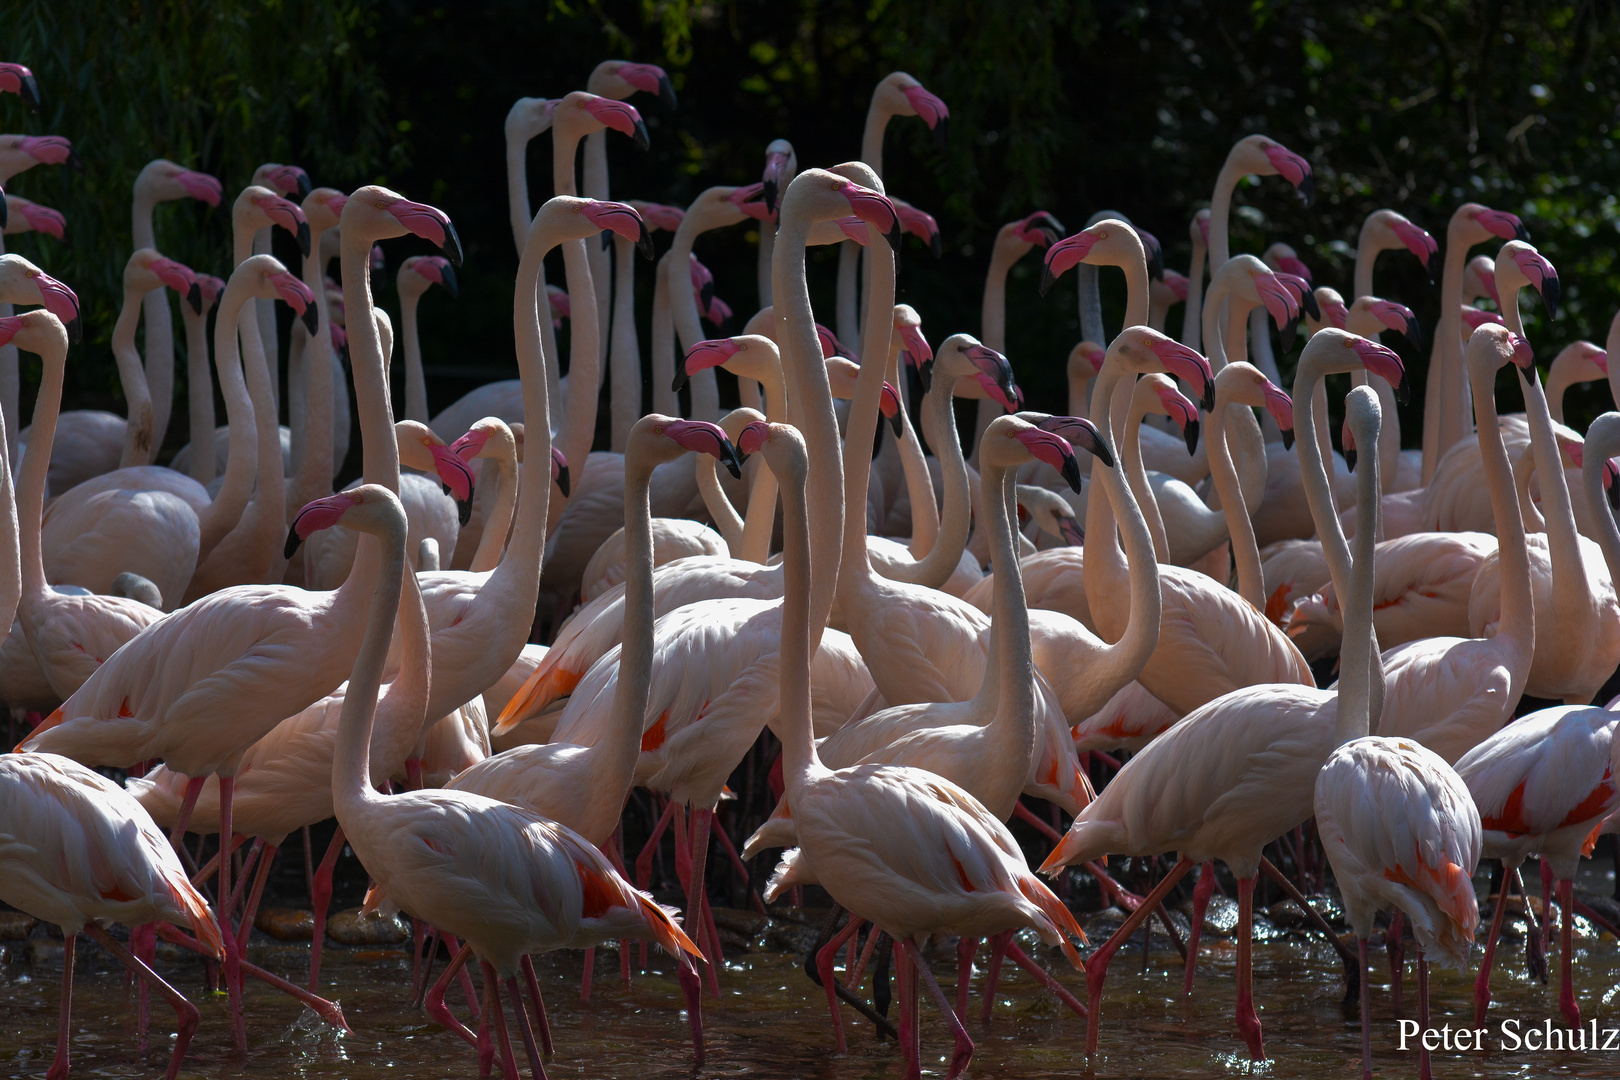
(771, 1022)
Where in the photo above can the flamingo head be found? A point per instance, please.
(660, 216)
(931, 110)
(1069, 252)
(1381, 361)
(212, 288)
(1281, 408)
(1397, 317)
(874, 209)
(178, 277)
(1186, 364)
(1501, 224)
(1333, 309)
(321, 514)
(285, 213)
(1539, 272)
(17, 79)
(750, 199)
(419, 219)
(889, 405)
(199, 185)
(1473, 318)
(1291, 167)
(702, 437)
(621, 116)
(620, 218)
(42, 219)
(49, 150)
(296, 295)
(649, 79)
(288, 180)
(921, 224)
(1040, 229)
(436, 269)
(704, 355)
(778, 163)
(751, 439)
(60, 301)
(1523, 355)
(1179, 408)
(1419, 243)
(1076, 431)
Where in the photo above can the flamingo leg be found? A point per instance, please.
(1202, 891)
(964, 1044)
(245, 931)
(537, 1070)
(527, 964)
(211, 867)
(1395, 946)
(1248, 1022)
(1044, 977)
(724, 839)
(966, 949)
(914, 1042)
(430, 948)
(419, 938)
(1366, 1015)
(143, 943)
(696, 893)
(1482, 982)
(872, 936)
(644, 859)
(1543, 934)
(692, 987)
(454, 946)
(242, 869)
(320, 899)
(194, 788)
(615, 854)
(328, 1011)
(184, 1010)
(438, 1010)
(992, 971)
(1352, 970)
(59, 1065)
(485, 1044)
(1097, 963)
(824, 966)
(413, 774)
(492, 1007)
(913, 1069)
(233, 952)
(1423, 1015)
(1566, 944)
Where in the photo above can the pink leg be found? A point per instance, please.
(615, 854)
(245, 931)
(492, 1007)
(59, 1066)
(914, 1044)
(854, 981)
(712, 950)
(486, 1042)
(194, 788)
(1201, 894)
(454, 946)
(696, 894)
(210, 868)
(1248, 1022)
(536, 1069)
(1044, 977)
(1097, 964)
(992, 972)
(143, 943)
(419, 939)
(824, 967)
(966, 949)
(964, 1044)
(692, 987)
(730, 849)
(1395, 945)
(1482, 982)
(1548, 897)
(644, 860)
(242, 869)
(1423, 1015)
(1566, 944)
(437, 1009)
(527, 964)
(1366, 1015)
(320, 900)
(329, 1011)
(233, 952)
(184, 1010)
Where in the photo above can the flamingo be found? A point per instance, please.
(313, 399)
(902, 848)
(1227, 780)
(25, 215)
(1577, 362)
(290, 182)
(18, 79)
(434, 851)
(200, 378)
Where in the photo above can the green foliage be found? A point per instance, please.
(217, 85)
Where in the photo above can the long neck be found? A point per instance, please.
(812, 400)
(584, 368)
(624, 356)
(759, 523)
(767, 249)
(863, 415)
(951, 536)
(36, 465)
(1313, 475)
(498, 522)
(684, 311)
(352, 793)
(1367, 250)
(800, 629)
(1235, 346)
(1251, 582)
(517, 189)
(416, 406)
(1120, 662)
(718, 503)
(1079, 391)
(664, 399)
(519, 572)
(1360, 686)
(919, 482)
(1559, 380)
(636, 654)
(1137, 472)
(1518, 616)
(1010, 670)
(314, 475)
(225, 510)
(138, 429)
(267, 512)
(1570, 589)
(200, 394)
(1444, 401)
(1104, 568)
(1192, 314)
(1220, 218)
(159, 335)
(378, 444)
(993, 309)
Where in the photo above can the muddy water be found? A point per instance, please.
(771, 1022)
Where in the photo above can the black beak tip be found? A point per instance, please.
(450, 284)
(451, 245)
(666, 92)
(1521, 233)
(642, 140)
(1403, 392)
(303, 238)
(1308, 302)
(463, 511)
(767, 192)
(1288, 438)
(563, 484)
(728, 454)
(1350, 459)
(894, 422)
(291, 546)
(1208, 400)
(925, 375)
(304, 186)
(1549, 296)
(1613, 492)
(679, 380)
(707, 294)
(312, 321)
(1286, 334)
(1047, 278)
(1307, 189)
(75, 329)
(1190, 433)
(644, 243)
(5, 214)
(1414, 332)
(1434, 268)
(1071, 468)
(936, 246)
(30, 94)
(893, 236)
(194, 297)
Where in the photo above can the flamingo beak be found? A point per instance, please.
(430, 223)
(1189, 432)
(60, 301)
(1074, 535)
(559, 472)
(1062, 255)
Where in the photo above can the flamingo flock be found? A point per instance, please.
(475, 652)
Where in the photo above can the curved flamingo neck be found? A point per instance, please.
(1571, 593)
(1245, 552)
(1313, 470)
(861, 429)
(316, 442)
(1220, 217)
(352, 793)
(416, 406)
(1446, 419)
(664, 399)
(36, 463)
(993, 308)
(623, 747)
(721, 511)
(1192, 314)
(200, 394)
(1119, 663)
(1009, 674)
(138, 429)
(1517, 625)
(800, 630)
(160, 334)
(1361, 674)
(222, 513)
(709, 211)
(499, 522)
(624, 347)
(951, 535)
(1137, 470)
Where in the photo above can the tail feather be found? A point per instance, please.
(53, 720)
(198, 915)
(665, 932)
(1036, 892)
(543, 686)
(1085, 840)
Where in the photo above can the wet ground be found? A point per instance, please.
(771, 1022)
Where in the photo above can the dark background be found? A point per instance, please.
(1069, 107)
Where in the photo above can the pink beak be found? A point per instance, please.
(453, 471)
(50, 150)
(1187, 365)
(1503, 224)
(621, 117)
(622, 219)
(1277, 298)
(1383, 362)
(874, 209)
(1281, 408)
(61, 301)
(200, 186)
(1065, 254)
(211, 287)
(1474, 317)
(1177, 284)
(930, 109)
(1334, 313)
(914, 343)
(704, 438)
(830, 345)
(43, 219)
(1291, 167)
(1053, 450)
(470, 445)
(649, 79)
(290, 180)
(430, 223)
(296, 295)
(709, 354)
(1523, 354)
(1296, 267)
(751, 438)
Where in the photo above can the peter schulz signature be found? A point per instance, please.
(1511, 1035)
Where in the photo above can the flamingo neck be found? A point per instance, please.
(1517, 626)
(1245, 553)
(137, 395)
(624, 348)
(498, 522)
(1137, 471)
(861, 429)
(1445, 402)
(800, 630)
(222, 513)
(200, 395)
(664, 399)
(352, 793)
(1192, 314)
(315, 444)
(36, 463)
(416, 406)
